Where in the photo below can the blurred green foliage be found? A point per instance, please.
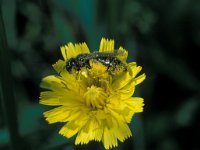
(162, 36)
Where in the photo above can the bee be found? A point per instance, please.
(109, 60)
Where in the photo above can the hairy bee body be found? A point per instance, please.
(83, 60)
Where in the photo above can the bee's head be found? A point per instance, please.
(72, 63)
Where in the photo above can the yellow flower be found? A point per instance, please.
(93, 93)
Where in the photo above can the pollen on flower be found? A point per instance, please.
(97, 68)
(95, 97)
(93, 93)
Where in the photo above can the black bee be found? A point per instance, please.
(82, 60)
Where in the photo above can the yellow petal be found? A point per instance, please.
(82, 48)
(68, 131)
(135, 103)
(58, 114)
(123, 113)
(129, 116)
(90, 131)
(50, 98)
(106, 45)
(140, 79)
(52, 83)
(131, 64)
(122, 131)
(71, 82)
(122, 54)
(128, 90)
(120, 81)
(65, 97)
(59, 65)
(63, 52)
(109, 138)
(124, 78)
(134, 71)
(71, 51)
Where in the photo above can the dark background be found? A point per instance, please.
(162, 36)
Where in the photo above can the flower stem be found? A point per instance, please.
(6, 89)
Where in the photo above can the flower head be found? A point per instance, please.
(93, 93)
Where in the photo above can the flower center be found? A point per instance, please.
(95, 97)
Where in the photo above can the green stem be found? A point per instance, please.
(6, 88)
